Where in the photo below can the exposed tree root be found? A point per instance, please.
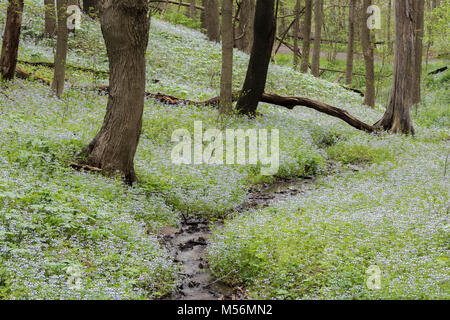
(79, 166)
(286, 102)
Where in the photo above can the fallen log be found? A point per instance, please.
(438, 71)
(286, 102)
(292, 102)
(69, 66)
(361, 93)
(22, 74)
(180, 3)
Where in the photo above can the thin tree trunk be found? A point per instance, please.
(295, 33)
(255, 81)
(212, 17)
(283, 13)
(50, 18)
(125, 27)
(192, 13)
(61, 48)
(397, 117)
(11, 38)
(306, 33)
(389, 19)
(351, 43)
(202, 16)
(318, 21)
(420, 7)
(226, 82)
(367, 47)
(246, 21)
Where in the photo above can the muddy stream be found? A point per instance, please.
(187, 244)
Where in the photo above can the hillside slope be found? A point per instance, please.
(67, 235)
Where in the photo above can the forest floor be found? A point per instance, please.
(343, 203)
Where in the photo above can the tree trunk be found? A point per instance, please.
(283, 12)
(226, 81)
(125, 27)
(295, 33)
(420, 7)
(91, 7)
(50, 18)
(306, 33)
(202, 16)
(318, 21)
(389, 19)
(351, 42)
(367, 47)
(191, 12)
(212, 17)
(11, 37)
(245, 30)
(397, 117)
(255, 81)
(61, 48)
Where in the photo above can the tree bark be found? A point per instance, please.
(397, 118)
(125, 27)
(318, 21)
(202, 16)
(50, 18)
(295, 33)
(61, 48)
(255, 81)
(420, 7)
(306, 32)
(11, 38)
(226, 81)
(351, 43)
(245, 30)
(212, 17)
(389, 19)
(191, 12)
(367, 47)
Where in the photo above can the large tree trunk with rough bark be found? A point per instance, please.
(226, 81)
(212, 17)
(61, 48)
(50, 18)
(245, 30)
(397, 118)
(351, 43)
(11, 37)
(265, 31)
(318, 21)
(368, 53)
(125, 27)
(306, 34)
(420, 7)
